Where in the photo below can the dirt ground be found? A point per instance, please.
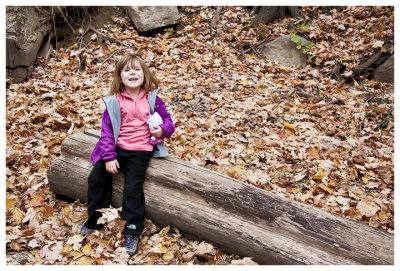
(97, 17)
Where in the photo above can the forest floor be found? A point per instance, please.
(236, 112)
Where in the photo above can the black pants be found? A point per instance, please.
(100, 189)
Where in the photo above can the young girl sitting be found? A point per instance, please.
(125, 142)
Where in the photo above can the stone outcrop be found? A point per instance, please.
(385, 71)
(267, 14)
(26, 30)
(284, 50)
(31, 33)
(146, 18)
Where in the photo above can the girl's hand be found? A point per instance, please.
(112, 166)
(158, 132)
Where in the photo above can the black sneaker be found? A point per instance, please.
(85, 230)
(131, 243)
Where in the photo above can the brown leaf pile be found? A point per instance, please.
(231, 117)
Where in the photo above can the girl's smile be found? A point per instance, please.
(132, 76)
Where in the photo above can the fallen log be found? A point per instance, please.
(370, 61)
(235, 216)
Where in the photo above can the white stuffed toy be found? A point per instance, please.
(154, 120)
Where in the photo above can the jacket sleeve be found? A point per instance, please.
(107, 143)
(168, 125)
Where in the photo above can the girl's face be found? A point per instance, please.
(132, 76)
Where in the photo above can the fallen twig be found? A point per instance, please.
(65, 19)
(80, 39)
(213, 25)
(242, 51)
(54, 25)
(378, 98)
(101, 65)
(254, 46)
(105, 36)
(287, 93)
(196, 89)
(256, 52)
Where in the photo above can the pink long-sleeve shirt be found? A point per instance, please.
(134, 133)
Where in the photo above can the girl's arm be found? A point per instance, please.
(107, 143)
(168, 125)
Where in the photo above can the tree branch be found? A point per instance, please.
(65, 19)
(213, 25)
(105, 36)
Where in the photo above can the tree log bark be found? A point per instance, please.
(375, 57)
(233, 215)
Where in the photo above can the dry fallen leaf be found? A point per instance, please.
(244, 261)
(87, 249)
(288, 125)
(10, 203)
(367, 208)
(100, 242)
(382, 215)
(169, 255)
(36, 201)
(204, 248)
(320, 175)
(325, 188)
(108, 215)
(75, 241)
(188, 96)
(18, 215)
(314, 153)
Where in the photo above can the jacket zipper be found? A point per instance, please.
(135, 108)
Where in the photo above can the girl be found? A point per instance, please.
(125, 142)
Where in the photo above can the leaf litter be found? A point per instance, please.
(230, 118)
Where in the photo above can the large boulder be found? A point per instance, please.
(26, 30)
(284, 50)
(146, 18)
(385, 71)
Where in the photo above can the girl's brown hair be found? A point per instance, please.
(150, 81)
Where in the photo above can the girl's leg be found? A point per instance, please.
(133, 195)
(99, 193)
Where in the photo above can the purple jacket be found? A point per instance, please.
(111, 124)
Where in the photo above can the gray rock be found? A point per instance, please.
(20, 73)
(19, 62)
(295, 12)
(20, 258)
(46, 48)
(146, 18)
(25, 32)
(284, 50)
(15, 56)
(385, 71)
(268, 14)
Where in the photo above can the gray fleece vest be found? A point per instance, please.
(115, 115)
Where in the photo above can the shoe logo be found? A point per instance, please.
(131, 227)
